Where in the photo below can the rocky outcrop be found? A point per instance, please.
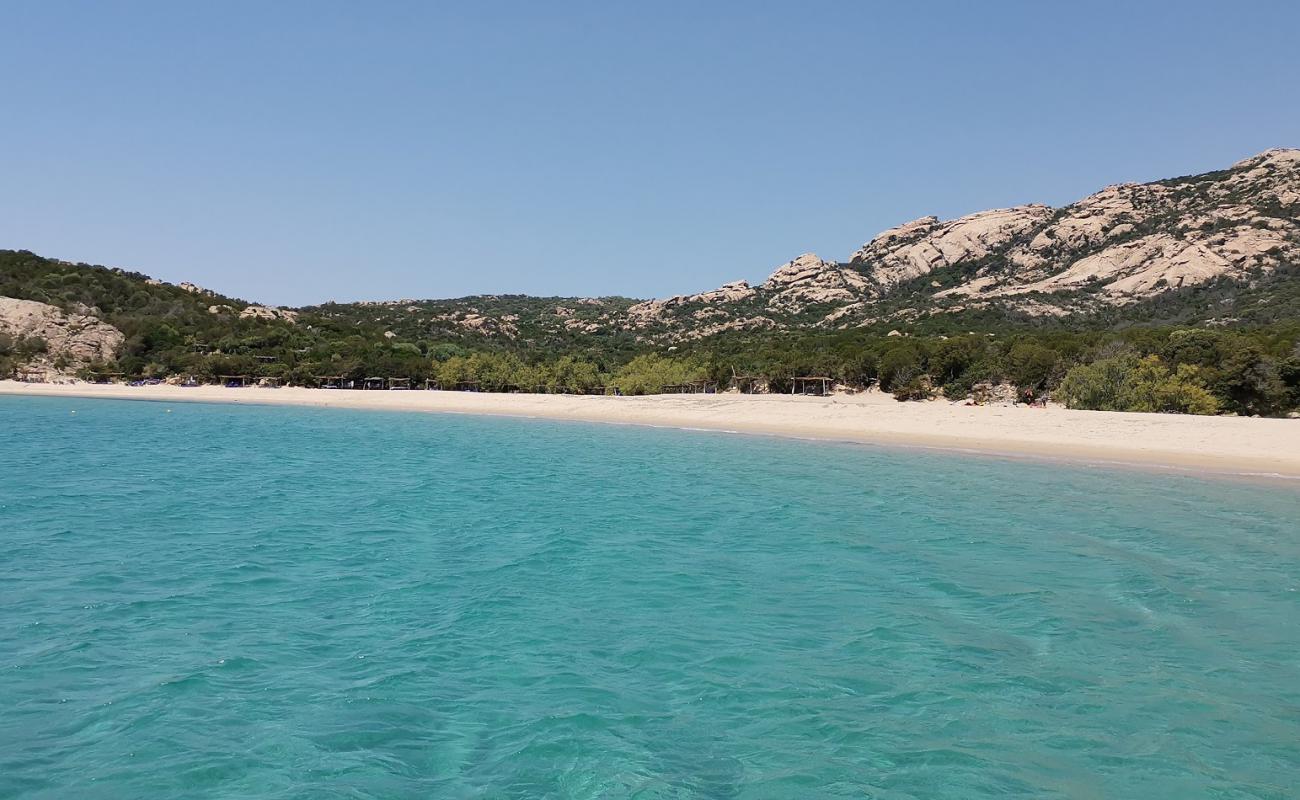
(1122, 245)
(652, 312)
(1131, 242)
(1147, 266)
(491, 326)
(924, 245)
(268, 313)
(196, 289)
(72, 341)
(809, 281)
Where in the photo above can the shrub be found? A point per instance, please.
(917, 388)
(1130, 383)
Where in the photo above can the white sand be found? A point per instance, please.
(1263, 447)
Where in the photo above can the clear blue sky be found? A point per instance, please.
(294, 152)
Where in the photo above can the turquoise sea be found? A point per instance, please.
(249, 602)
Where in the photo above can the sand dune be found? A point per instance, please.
(1265, 447)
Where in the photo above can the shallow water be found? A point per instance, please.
(223, 601)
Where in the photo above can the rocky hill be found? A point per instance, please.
(1208, 239)
(1215, 248)
(1221, 248)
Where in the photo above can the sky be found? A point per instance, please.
(298, 152)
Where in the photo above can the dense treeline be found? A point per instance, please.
(173, 332)
(1191, 370)
(1201, 371)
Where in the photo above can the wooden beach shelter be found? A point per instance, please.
(234, 381)
(692, 387)
(746, 384)
(469, 386)
(374, 383)
(399, 383)
(815, 385)
(330, 381)
(430, 383)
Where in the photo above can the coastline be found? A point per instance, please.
(1263, 448)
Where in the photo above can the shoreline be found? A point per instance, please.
(1227, 446)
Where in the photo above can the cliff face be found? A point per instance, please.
(71, 341)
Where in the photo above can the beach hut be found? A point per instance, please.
(430, 383)
(469, 386)
(399, 383)
(329, 381)
(702, 387)
(374, 383)
(234, 381)
(815, 385)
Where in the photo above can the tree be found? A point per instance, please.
(1249, 383)
(899, 365)
(1030, 365)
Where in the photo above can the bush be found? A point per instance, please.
(1130, 383)
(961, 387)
(917, 388)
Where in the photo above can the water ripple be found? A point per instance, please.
(295, 603)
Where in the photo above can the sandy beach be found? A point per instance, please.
(1228, 445)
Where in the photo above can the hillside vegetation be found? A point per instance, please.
(1179, 295)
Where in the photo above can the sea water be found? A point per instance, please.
(208, 601)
